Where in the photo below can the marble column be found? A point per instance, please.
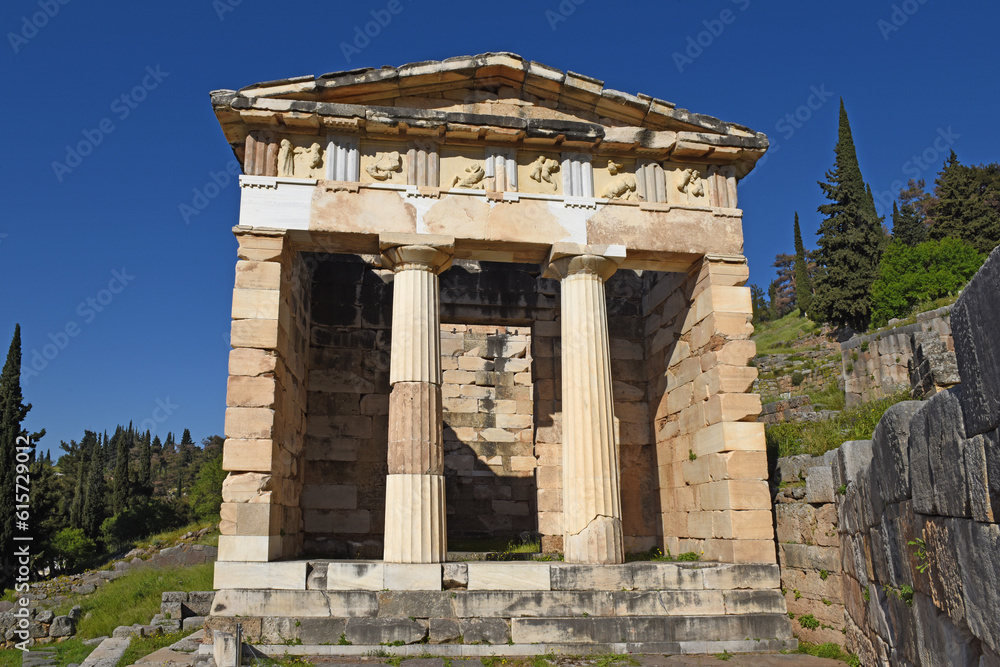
(414, 498)
(592, 517)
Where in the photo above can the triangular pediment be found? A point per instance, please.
(489, 97)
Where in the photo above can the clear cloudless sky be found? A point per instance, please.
(98, 263)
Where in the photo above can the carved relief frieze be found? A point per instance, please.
(385, 166)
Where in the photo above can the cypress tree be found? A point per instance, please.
(94, 510)
(122, 485)
(803, 284)
(144, 477)
(12, 413)
(850, 240)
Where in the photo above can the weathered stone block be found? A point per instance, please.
(289, 575)
(509, 576)
(937, 467)
(570, 577)
(355, 576)
(415, 604)
(444, 631)
(413, 576)
(385, 630)
(819, 484)
(810, 558)
(978, 561)
(485, 630)
(975, 320)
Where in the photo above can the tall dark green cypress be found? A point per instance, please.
(803, 283)
(12, 413)
(850, 240)
(122, 494)
(94, 506)
(144, 484)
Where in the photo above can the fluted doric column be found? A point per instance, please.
(592, 517)
(414, 497)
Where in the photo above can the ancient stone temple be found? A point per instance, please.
(486, 300)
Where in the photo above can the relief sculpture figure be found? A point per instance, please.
(474, 179)
(384, 165)
(542, 169)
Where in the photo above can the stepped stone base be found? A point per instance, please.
(510, 608)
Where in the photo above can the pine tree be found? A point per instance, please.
(907, 228)
(967, 204)
(122, 494)
(850, 240)
(12, 412)
(94, 508)
(803, 283)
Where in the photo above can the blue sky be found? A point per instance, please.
(132, 300)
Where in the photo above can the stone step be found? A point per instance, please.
(490, 604)
(364, 651)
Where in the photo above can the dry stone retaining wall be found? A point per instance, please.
(809, 547)
(879, 364)
(917, 510)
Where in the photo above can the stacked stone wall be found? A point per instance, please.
(266, 401)
(807, 530)
(878, 364)
(488, 430)
(710, 451)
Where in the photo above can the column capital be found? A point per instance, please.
(416, 251)
(568, 259)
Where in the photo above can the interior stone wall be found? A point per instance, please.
(347, 421)
(266, 401)
(488, 431)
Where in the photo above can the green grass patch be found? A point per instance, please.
(776, 337)
(830, 397)
(135, 597)
(830, 650)
(140, 647)
(171, 536)
(817, 438)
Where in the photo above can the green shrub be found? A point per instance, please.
(797, 378)
(73, 548)
(908, 276)
(809, 621)
(206, 494)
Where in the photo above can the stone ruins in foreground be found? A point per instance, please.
(478, 299)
